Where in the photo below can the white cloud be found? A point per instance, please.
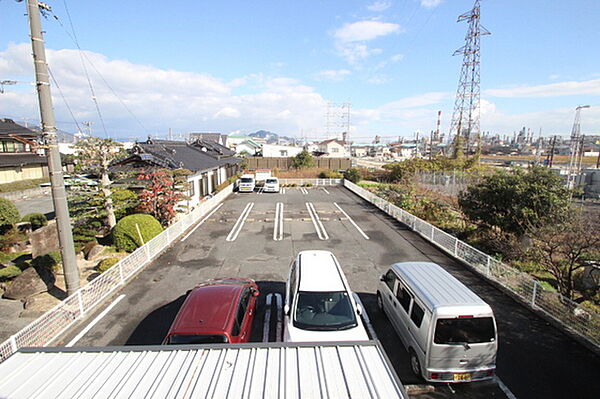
(353, 53)
(365, 31)
(160, 98)
(334, 75)
(431, 3)
(379, 6)
(589, 87)
(227, 112)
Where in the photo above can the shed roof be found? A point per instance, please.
(258, 370)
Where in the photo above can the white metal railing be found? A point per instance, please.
(44, 330)
(314, 182)
(574, 317)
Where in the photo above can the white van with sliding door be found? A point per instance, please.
(449, 332)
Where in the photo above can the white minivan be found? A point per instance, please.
(449, 332)
(247, 184)
(319, 305)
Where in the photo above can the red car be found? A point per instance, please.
(217, 311)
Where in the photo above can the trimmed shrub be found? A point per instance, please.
(106, 264)
(330, 174)
(11, 237)
(51, 261)
(353, 174)
(9, 215)
(37, 220)
(9, 272)
(126, 236)
(124, 202)
(307, 185)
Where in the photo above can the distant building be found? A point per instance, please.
(283, 151)
(211, 163)
(333, 148)
(216, 137)
(20, 155)
(248, 147)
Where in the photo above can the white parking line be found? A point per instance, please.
(352, 221)
(202, 221)
(282, 191)
(95, 321)
(321, 232)
(237, 227)
(267, 321)
(324, 189)
(303, 190)
(504, 388)
(279, 301)
(278, 227)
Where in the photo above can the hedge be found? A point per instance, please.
(9, 214)
(125, 233)
(106, 264)
(37, 220)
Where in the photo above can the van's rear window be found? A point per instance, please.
(271, 181)
(467, 330)
(181, 339)
(247, 180)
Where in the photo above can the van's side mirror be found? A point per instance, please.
(382, 278)
(286, 309)
(359, 310)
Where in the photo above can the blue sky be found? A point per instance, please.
(240, 66)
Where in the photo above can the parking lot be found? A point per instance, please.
(256, 235)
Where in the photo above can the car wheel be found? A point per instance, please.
(379, 301)
(415, 365)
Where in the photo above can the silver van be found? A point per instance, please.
(449, 332)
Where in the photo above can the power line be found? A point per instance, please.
(63, 97)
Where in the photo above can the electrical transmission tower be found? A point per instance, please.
(576, 148)
(337, 124)
(465, 118)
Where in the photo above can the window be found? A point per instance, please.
(324, 311)
(416, 314)
(390, 279)
(239, 318)
(283, 153)
(469, 330)
(403, 297)
(292, 283)
(192, 187)
(335, 149)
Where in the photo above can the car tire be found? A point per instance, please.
(380, 301)
(415, 365)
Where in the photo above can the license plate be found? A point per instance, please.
(462, 377)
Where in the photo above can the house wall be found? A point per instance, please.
(205, 183)
(270, 150)
(12, 174)
(334, 150)
(243, 147)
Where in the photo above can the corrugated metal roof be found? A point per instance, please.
(261, 370)
(435, 286)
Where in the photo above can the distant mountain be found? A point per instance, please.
(272, 138)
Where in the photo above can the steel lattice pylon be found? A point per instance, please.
(576, 158)
(465, 118)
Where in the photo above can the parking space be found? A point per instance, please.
(256, 235)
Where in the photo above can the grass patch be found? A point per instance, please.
(7, 257)
(22, 185)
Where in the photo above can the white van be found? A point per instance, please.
(247, 184)
(271, 185)
(449, 332)
(319, 306)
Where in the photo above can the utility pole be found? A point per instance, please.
(59, 195)
(551, 155)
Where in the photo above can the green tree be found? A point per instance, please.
(303, 160)
(517, 200)
(9, 215)
(353, 174)
(96, 154)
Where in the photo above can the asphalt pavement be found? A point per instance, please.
(535, 360)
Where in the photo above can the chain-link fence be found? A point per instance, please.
(56, 321)
(569, 314)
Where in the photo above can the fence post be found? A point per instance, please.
(455, 246)
(432, 231)
(535, 284)
(80, 301)
(169, 233)
(487, 267)
(13, 343)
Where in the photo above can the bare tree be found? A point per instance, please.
(563, 249)
(96, 154)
